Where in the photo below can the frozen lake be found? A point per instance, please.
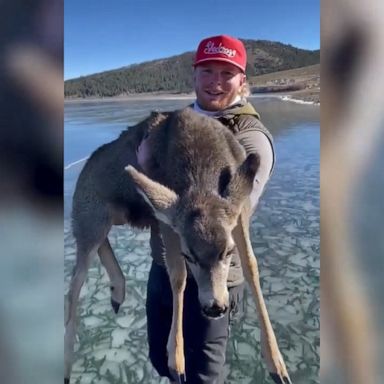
(285, 239)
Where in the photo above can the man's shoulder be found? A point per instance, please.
(243, 109)
(239, 117)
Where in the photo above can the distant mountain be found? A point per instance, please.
(174, 74)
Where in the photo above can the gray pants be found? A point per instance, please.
(205, 339)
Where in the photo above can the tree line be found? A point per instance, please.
(174, 74)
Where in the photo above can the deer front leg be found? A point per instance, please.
(269, 347)
(177, 276)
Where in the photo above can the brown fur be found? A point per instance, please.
(197, 183)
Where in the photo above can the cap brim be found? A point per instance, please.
(220, 59)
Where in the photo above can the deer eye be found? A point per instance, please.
(231, 251)
(188, 258)
(227, 254)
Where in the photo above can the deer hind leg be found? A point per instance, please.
(177, 276)
(116, 276)
(90, 232)
(269, 347)
(83, 260)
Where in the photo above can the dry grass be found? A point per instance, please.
(310, 73)
(308, 78)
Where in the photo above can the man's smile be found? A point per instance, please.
(214, 93)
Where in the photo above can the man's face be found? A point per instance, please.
(217, 84)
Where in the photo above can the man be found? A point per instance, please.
(220, 86)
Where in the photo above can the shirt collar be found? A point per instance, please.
(197, 108)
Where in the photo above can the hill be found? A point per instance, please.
(174, 74)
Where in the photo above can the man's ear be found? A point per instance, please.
(161, 199)
(243, 79)
(194, 77)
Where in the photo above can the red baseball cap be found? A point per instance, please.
(222, 48)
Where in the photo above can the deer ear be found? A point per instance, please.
(241, 184)
(162, 199)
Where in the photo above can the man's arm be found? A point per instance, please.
(255, 141)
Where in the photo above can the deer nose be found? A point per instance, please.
(215, 311)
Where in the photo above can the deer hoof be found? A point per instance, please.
(115, 306)
(66, 380)
(278, 379)
(180, 378)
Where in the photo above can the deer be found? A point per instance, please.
(196, 188)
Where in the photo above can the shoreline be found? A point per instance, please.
(290, 97)
(284, 96)
(298, 101)
(138, 96)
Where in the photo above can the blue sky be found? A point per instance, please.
(109, 34)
